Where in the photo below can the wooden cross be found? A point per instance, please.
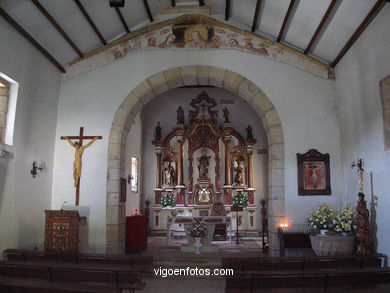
(79, 152)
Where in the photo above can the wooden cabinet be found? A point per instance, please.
(136, 233)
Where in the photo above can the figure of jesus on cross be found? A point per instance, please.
(79, 147)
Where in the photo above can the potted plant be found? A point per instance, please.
(197, 230)
(169, 200)
(339, 237)
(241, 199)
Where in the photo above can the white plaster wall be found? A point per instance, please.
(22, 198)
(305, 104)
(133, 149)
(360, 114)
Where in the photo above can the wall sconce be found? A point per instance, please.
(37, 165)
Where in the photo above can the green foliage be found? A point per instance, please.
(169, 200)
(241, 200)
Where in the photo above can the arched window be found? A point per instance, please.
(385, 99)
(4, 97)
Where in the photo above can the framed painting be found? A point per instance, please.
(313, 173)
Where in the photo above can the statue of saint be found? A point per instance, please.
(239, 176)
(249, 134)
(203, 166)
(180, 116)
(157, 132)
(78, 158)
(226, 114)
(169, 175)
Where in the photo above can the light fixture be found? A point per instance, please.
(37, 165)
(117, 3)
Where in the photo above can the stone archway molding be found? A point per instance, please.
(191, 76)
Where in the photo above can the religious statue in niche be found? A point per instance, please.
(157, 132)
(239, 172)
(180, 116)
(203, 165)
(169, 174)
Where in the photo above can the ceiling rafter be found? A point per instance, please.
(120, 15)
(34, 42)
(146, 4)
(285, 21)
(51, 19)
(90, 21)
(367, 20)
(256, 16)
(227, 9)
(325, 19)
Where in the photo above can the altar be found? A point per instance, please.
(201, 164)
(210, 223)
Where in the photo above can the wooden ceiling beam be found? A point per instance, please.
(285, 21)
(146, 4)
(90, 21)
(367, 20)
(34, 42)
(51, 19)
(320, 27)
(256, 16)
(227, 9)
(120, 15)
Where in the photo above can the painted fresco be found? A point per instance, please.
(198, 36)
(196, 32)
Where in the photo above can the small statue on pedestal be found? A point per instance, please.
(180, 116)
(203, 166)
(157, 131)
(249, 134)
(226, 114)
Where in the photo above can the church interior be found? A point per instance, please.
(142, 137)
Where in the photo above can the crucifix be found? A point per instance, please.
(78, 145)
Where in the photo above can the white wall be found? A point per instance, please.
(360, 114)
(305, 103)
(22, 198)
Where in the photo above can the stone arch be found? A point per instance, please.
(385, 100)
(190, 76)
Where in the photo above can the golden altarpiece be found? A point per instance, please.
(202, 162)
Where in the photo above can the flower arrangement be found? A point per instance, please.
(169, 200)
(197, 229)
(326, 218)
(240, 200)
(346, 220)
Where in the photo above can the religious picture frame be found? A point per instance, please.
(313, 173)
(123, 190)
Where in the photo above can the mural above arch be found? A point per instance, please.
(196, 32)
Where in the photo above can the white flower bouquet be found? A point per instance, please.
(240, 200)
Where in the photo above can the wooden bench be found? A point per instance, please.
(144, 262)
(18, 285)
(303, 263)
(255, 281)
(119, 277)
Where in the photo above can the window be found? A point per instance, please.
(8, 97)
(134, 174)
(385, 99)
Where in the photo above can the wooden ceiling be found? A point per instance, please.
(63, 30)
